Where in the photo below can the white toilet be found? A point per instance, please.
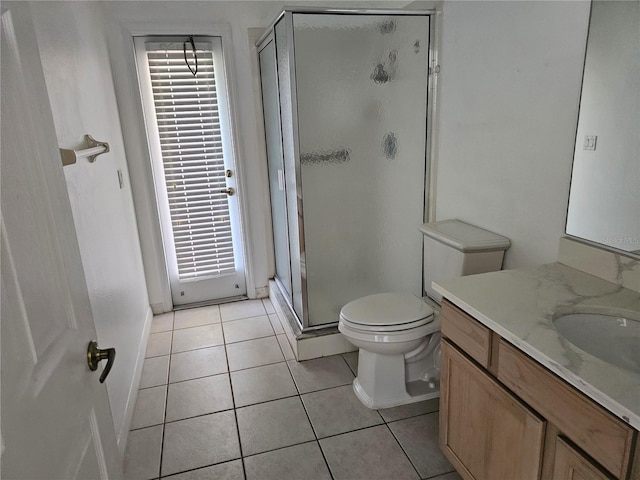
(398, 334)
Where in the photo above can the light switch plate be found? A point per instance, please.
(590, 142)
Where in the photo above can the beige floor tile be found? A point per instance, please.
(419, 439)
(303, 461)
(275, 323)
(223, 471)
(262, 384)
(352, 360)
(198, 363)
(199, 397)
(410, 410)
(198, 442)
(286, 347)
(369, 454)
(244, 309)
(268, 306)
(254, 353)
(320, 373)
(142, 458)
(272, 425)
(247, 329)
(149, 408)
(159, 344)
(162, 323)
(155, 372)
(338, 410)
(197, 337)
(196, 317)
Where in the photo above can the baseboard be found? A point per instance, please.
(123, 434)
(323, 346)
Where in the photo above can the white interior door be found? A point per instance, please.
(56, 420)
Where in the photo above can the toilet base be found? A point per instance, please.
(420, 391)
(381, 382)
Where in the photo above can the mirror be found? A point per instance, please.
(604, 200)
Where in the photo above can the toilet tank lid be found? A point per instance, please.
(465, 237)
(386, 309)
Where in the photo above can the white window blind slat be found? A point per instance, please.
(188, 123)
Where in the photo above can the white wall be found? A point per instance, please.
(509, 93)
(78, 76)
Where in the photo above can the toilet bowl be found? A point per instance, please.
(398, 334)
(395, 364)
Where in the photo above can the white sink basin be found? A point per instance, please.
(610, 338)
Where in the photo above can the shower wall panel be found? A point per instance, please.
(361, 88)
(284, 53)
(271, 110)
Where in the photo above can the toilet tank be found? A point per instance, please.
(453, 249)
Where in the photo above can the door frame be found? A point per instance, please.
(152, 244)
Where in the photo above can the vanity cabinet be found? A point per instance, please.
(487, 433)
(504, 416)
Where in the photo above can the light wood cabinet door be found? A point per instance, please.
(486, 432)
(569, 464)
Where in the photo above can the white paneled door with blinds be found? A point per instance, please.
(187, 116)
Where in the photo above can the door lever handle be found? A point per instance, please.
(96, 355)
(229, 191)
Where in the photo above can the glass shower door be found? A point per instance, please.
(273, 138)
(361, 89)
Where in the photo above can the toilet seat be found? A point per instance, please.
(372, 329)
(386, 312)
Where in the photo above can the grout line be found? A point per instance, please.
(198, 326)
(233, 401)
(249, 339)
(243, 318)
(355, 374)
(200, 468)
(324, 457)
(403, 450)
(309, 418)
(166, 401)
(281, 448)
(252, 317)
(315, 434)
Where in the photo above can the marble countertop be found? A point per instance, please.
(520, 305)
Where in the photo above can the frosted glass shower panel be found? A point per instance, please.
(284, 54)
(271, 109)
(361, 85)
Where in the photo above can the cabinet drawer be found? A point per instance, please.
(603, 436)
(467, 333)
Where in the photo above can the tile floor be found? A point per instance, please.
(221, 397)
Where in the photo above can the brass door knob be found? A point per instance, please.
(96, 355)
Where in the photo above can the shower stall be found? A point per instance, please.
(346, 116)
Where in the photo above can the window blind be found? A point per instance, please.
(188, 122)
